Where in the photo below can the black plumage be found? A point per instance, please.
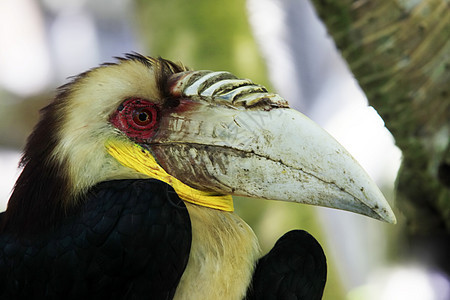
(295, 269)
(126, 232)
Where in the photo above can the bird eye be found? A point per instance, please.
(137, 118)
(143, 117)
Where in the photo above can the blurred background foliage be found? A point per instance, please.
(279, 44)
(202, 35)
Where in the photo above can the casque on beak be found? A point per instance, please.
(233, 137)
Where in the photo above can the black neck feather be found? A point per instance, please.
(37, 200)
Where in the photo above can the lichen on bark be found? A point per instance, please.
(399, 51)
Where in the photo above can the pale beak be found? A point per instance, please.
(263, 149)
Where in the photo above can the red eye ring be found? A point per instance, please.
(137, 118)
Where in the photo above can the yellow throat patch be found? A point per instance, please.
(139, 159)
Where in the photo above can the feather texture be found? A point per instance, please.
(295, 269)
(130, 240)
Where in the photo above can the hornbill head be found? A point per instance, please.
(208, 134)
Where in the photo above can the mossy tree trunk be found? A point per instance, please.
(399, 51)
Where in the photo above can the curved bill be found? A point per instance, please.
(271, 153)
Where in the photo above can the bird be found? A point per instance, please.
(127, 182)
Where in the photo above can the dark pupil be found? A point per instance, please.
(143, 116)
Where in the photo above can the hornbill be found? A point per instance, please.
(127, 180)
